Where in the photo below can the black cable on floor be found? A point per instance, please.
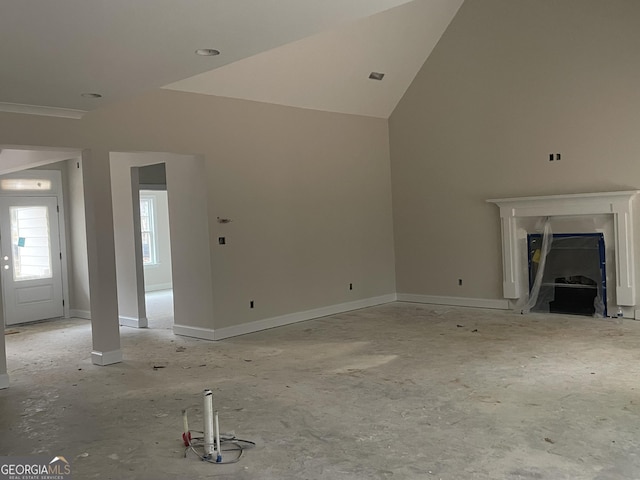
(232, 443)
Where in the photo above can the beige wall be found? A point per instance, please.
(75, 272)
(191, 250)
(509, 83)
(128, 269)
(77, 239)
(309, 193)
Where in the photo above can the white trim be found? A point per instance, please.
(40, 110)
(266, 323)
(75, 313)
(106, 358)
(273, 322)
(158, 286)
(62, 233)
(195, 332)
(133, 322)
(57, 191)
(497, 304)
(4, 381)
(577, 203)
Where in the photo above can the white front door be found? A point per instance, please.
(30, 259)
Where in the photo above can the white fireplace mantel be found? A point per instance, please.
(618, 204)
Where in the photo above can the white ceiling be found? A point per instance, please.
(304, 53)
(330, 70)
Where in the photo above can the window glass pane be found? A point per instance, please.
(146, 248)
(30, 243)
(147, 230)
(25, 184)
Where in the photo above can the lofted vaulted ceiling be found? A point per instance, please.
(304, 53)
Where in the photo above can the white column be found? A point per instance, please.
(510, 255)
(4, 378)
(105, 329)
(625, 262)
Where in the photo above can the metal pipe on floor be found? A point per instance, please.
(219, 456)
(209, 447)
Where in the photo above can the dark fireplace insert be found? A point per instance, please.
(574, 279)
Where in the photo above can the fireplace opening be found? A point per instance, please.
(573, 279)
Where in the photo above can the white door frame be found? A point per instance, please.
(55, 177)
(38, 296)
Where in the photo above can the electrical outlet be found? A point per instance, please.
(558, 156)
(551, 157)
(351, 286)
(251, 304)
(222, 241)
(459, 282)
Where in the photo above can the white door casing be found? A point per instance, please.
(30, 258)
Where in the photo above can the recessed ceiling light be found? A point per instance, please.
(376, 76)
(207, 52)
(91, 95)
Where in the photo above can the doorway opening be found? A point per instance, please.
(183, 179)
(155, 240)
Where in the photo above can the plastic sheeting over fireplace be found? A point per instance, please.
(567, 271)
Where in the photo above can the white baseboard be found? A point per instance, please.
(4, 381)
(498, 304)
(141, 322)
(106, 358)
(266, 323)
(74, 313)
(196, 332)
(158, 286)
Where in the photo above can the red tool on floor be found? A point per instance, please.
(186, 435)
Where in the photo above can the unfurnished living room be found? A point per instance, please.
(293, 239)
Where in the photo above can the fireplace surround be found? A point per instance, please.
(517, 214)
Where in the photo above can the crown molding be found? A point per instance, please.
(41, 110)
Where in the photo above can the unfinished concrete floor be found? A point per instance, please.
(399, 391)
